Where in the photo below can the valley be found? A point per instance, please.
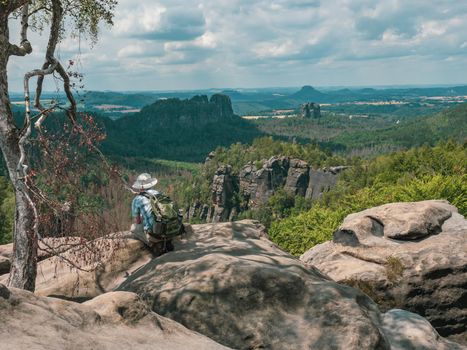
(197, 175)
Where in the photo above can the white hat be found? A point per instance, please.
(144, 182)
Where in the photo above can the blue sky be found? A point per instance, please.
(188, 44)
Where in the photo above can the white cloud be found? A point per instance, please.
(219, 43)
(143, 18)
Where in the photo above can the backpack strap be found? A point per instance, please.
(146, 195)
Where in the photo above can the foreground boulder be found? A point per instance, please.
(47, 247)
(411, 256)
(406, 330)
(112, 321)
(117, 257)
(226, 281)
(230, 283)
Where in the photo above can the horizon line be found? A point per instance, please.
(382, 87)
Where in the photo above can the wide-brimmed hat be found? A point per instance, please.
(144, 182)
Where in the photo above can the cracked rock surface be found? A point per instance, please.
(117, 320)
(411, 256)
(226, 281)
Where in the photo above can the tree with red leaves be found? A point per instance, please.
(85, 17)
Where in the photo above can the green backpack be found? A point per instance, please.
(167, 221)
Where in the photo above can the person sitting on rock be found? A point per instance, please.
(142, 212)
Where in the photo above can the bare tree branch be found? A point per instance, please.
(57, 11)
(42, 116)
(71, 111)
(84, 16)
(22, 168)
(41, 8)
(54, 37)
(25, 133)
(27, 77)
(25, 47)
(13, 5)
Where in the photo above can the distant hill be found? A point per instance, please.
(92, 98)
(309, 94)
(178, 129)
(196, 113)
(250, 101)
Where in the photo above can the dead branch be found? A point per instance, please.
(25, 47)
(13, 5)
(54, 37)
(25, 133)
(44, 112)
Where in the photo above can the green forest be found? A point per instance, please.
(374, 133)
(7, 205)
(438, 172)
(174, 129)
(297, 224)
(408, 161)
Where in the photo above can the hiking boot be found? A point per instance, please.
(169, 247)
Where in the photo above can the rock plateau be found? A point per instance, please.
(226, 281)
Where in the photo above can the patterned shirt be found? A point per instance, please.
(141, 206)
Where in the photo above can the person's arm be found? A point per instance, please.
(135, 212)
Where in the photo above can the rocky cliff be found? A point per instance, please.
(255, 185)
(193, 113)
(310, 110)
(226, 281)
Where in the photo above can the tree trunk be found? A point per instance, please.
(24, 264)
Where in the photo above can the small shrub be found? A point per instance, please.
(394, 269)
(384, 300)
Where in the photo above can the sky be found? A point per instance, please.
(200, 44)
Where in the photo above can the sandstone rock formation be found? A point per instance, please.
(406, 330)
(192, 113)
(256, 186)
(297, 178)
(226, 281)
(310, 110)
(112, 321)
(47, 248)
(223, 189)
(223, 104)
(411, 256)
(230, 283)
(120, 255)
(5, 265)
(210, 157)
(322, 180)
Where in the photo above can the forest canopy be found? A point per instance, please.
(423, 173)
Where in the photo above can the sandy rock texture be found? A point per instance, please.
(408, 331)
(411, 256)
(112, 321)
(230, 283)
(227, 281)
(119, 255)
